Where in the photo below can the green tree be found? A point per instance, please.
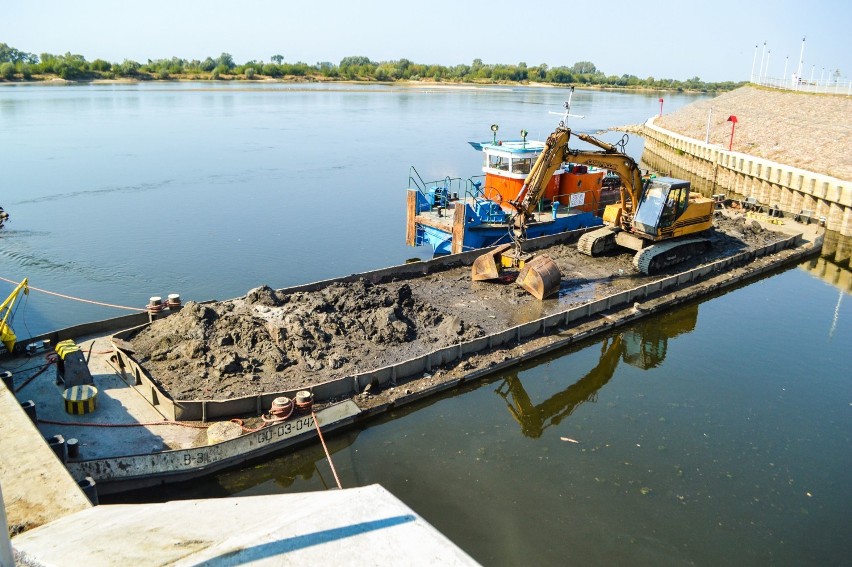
(271, 70)
(225, 60)
(7, 70)
(584, 67)
(277, 59)
(208, 65)
(11, 55)
(100, 65)
(127, 68)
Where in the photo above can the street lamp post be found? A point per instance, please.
(753, 61)
(784, 76)
(801, 58)
(766, 71)
(733, 120)
(707, 135)
(762, 55)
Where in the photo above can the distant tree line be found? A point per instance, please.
(17, 65)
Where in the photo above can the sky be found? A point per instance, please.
(714, 40)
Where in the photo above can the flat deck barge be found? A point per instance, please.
(138, 435)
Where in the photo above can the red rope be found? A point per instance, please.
(33, 377)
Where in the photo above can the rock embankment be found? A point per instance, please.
(808, 131)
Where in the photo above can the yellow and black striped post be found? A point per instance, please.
(80, 399)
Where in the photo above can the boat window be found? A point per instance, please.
(498, 162)
(521, 165)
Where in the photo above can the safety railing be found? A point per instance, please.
(448, 188)
(831, 86)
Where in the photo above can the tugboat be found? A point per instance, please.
(453, 215)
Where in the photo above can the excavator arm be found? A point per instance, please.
(548, 161)
(611, 158)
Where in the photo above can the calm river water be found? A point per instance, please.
(716, 433)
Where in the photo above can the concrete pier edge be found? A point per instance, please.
(784, 187)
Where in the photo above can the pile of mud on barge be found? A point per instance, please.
(188, 390)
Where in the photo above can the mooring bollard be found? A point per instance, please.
(8, 380)
(90, 489)
(57, 443)
(30, 409)
(73, 447)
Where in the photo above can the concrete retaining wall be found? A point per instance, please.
(739, 175)
(203, 410)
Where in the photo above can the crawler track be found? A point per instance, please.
(657, 256)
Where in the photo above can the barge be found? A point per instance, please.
(134, 433)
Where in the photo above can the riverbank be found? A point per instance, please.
(431, 83)
(807, 131)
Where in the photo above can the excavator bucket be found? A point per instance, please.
(487, 266)
(540, 276)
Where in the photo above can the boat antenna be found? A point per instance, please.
(567, 111)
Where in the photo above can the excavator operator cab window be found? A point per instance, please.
(498, 162)
(662, 203)
(521, 165)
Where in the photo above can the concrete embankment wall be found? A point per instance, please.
(739, 175)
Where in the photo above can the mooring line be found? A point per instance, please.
(327, 454)
(78, 298)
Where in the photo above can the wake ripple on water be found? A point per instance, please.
(29, 262)
(137, 188)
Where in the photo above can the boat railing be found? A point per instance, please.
(474, 188)
(415, 181)
(445, 190)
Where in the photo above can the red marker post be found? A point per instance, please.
(733, 120)
(661, 107)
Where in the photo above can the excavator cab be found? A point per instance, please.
(663, 201)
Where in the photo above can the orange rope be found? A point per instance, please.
(239, 422)
(77, 298)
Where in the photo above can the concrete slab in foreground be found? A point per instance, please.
(37, 487)
(357, 526)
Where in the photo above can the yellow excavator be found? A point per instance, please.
(653, 218)
(7, 335)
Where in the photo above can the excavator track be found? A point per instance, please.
(597, 242)
(657, 256)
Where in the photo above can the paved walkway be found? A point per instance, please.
(357, 526)
(36, 486)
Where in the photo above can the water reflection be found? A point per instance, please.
(643, 346)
